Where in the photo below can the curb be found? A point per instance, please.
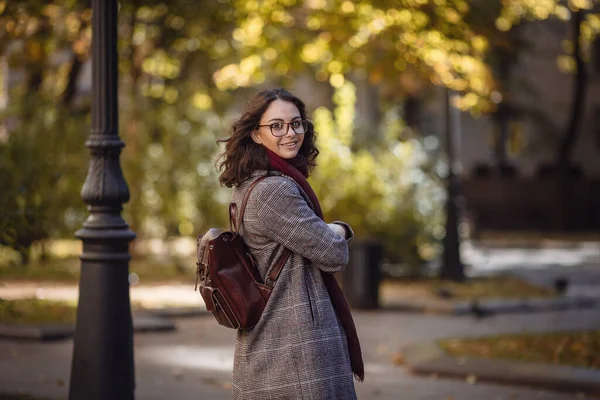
(484, 308)
(48, 332)
(42, 332)
(429, 358)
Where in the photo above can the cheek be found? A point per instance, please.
(272, 143)
(303, 140)
(261, 138)
(270, 140)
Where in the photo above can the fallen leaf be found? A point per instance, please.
(471, 379)
(398, 359)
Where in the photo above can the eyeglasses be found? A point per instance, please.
(278, 129)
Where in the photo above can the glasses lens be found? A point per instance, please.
(281, 129)
(300, 127)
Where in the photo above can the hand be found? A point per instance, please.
(337, 229)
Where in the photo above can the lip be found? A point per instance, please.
(288, 143)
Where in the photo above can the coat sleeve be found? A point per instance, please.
(284, 216)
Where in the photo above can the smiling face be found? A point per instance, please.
(280, 112)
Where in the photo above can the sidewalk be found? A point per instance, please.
(196, 360)
(428, 359)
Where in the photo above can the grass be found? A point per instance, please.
(42, 311)
(36, 311)
(67, 270)
(574, 349)
(496, 287)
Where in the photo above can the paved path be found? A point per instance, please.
(195, 362)
(496, 257)
(542, 264)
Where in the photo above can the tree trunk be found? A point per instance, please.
(569, 139)
(502, 121)
(69, 93)
(44, 253)
(579, 91)
(24, 253)
(452, 267)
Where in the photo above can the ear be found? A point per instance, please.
(256, 137)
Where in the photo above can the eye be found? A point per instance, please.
(296, 124)
(277, 125)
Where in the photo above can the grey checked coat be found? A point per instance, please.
(298, 349)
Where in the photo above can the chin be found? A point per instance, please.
(288, 155)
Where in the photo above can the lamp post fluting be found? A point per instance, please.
(102, 366)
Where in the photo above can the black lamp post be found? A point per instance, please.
(102, 366)
(452, 267)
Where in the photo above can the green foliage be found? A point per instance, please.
(382, 192)
(179, 64)
(168, 119)
(172, 115)
(168, 166)
(41, 171)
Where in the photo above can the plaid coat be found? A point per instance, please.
(298, 349)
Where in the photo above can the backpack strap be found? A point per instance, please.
(235, 223)
(278, 267)
(232, 222)
(246, 197)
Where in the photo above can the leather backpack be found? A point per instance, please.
(229, 281)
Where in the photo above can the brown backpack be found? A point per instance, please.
(229, 281)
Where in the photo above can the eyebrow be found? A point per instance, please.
(280, 119)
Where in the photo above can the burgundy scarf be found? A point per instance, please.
(297, 168)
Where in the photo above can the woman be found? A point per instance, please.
(305, 344)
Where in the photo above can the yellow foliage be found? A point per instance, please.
(336, 80)
(202, 101)
(374, 190)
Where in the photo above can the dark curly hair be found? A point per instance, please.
(242, 155)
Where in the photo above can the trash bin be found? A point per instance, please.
(360, 279)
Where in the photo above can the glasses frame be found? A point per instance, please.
(289, 125)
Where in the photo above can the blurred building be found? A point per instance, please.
(521, 191)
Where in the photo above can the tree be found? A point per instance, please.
(579, 91)
(584, 19)
(398, 44)
(167, 104)
(382, 192)
(184, 65)
(42, 153)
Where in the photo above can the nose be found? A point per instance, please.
(289, 131)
